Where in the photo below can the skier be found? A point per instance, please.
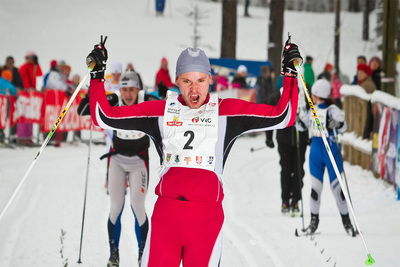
(331, 119)
(128, 160)
(193, 134)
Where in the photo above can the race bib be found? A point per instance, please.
(190, 135)
(313, 130)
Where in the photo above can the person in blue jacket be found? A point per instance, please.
(332, 120)
(5, 83)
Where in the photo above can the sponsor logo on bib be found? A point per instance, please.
(175, 122)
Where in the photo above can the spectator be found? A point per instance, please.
(335, 94)
(67, 72)
(239, 81)
(5, 83)
(375, 65)
(222, 82)
(309, 76)
(7, 88)
(364, 73)
(16, 77)
(29, 72)
(130, 67)
(163, 75)
(246, 8)
(112, 79)
(267, 95)
(160, 5)
(327, 73)
(54, 79)
(292, 146)
(360, 60)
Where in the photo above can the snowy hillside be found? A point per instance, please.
(255, 232)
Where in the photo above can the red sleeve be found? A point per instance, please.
(38, 71)
(99, 103)
(23, 72)
(288, 101)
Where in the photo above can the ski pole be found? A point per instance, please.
(299, 171)
(344, 174)
(86, 186)
(256, 149)
(341, 159)
(370, 260)
(46, 141)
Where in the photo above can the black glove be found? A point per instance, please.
(290, 53)
(99, 57)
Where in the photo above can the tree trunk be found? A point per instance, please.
(354, 6)
(389, 49)
(229, 22)
(337, 37)
(275, 34)
(366, 12)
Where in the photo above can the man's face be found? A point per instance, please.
(129, 95)
(194, 88)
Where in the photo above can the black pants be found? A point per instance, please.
(291, 181)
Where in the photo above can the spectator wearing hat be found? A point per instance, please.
(129, 67)
(16, 77)
(7, 88)
(162, 75)
(327, 73)
(5, 83)
(29, 72)
(239, 81)
(267, 94)
(364, 73)
(221, 82)
(375, 65)
(360, 60)
(112, 80)
(54, 79)
(309, 76)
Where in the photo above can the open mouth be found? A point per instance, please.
(194, 98)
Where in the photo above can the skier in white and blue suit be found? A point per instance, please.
(331, 119)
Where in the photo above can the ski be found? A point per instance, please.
(305, 232)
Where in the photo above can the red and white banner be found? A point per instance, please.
(3, 111)
(44, 108)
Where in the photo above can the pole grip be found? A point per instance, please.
(92, 65)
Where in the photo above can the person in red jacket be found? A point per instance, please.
(193, 133)
(29, 71)
(163, 75)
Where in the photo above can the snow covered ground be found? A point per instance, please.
(255, 232)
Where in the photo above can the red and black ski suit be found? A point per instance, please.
(188, 216)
